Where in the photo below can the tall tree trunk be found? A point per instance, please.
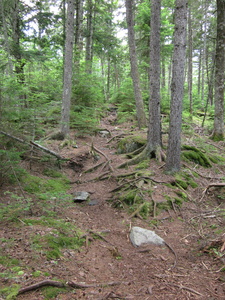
(16, 47)
(154, 128)
(67, 78)
(218, 133)
(134, 65)
(89, 37)
(190, 68)
(78, 33)
(177, 87)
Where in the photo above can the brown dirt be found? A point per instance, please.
(190, 230)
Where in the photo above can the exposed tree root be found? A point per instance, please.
(144, 154)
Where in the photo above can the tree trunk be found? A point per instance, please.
(134, 65)
(218, 133)
(89, 37)
(154, 129)
(67, 80)
(177, 87)
(190, 63)
(78, 33)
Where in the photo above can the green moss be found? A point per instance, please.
(130, 197)
(181, 183)
(11, 292)
(143, 165)
(195, 155)
(52, 292)
(35, 185)
(63, 235)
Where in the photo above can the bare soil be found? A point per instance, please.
(111, 267)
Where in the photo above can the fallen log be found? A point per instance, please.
(35, 145)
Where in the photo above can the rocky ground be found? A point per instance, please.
(108, 266)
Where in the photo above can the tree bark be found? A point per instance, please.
(134, 65)
(190, 62)
(67, 80)
(177, 87)
(154, 141)
(218, 133)
(89, 37)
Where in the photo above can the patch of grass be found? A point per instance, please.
(62, 235)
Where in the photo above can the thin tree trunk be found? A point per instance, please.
(89, 37)
(134, 65)
(218, 133)
(67, 80)
(190, 68)
(177, 87)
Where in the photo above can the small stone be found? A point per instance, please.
(140, 236)
(81, 196)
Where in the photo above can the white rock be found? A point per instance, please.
(140, 236)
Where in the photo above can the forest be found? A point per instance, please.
(124, 101)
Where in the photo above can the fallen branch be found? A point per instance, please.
(215, 184)
(185, 288)
(72, 284)
(33, 144)
(41, 284)
(48, 151)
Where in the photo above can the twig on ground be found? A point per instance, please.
(185, 288)
(214, 184)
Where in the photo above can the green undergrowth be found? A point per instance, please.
(47, 195)
(138, 201)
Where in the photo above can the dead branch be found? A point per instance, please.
(185, 288)
(41, 284)
(48, 151)
(214, 184)
(116, 136)
(34, 144)
(201, 175)
(137, 211)
(82, 285)
(13, 137)
(72, 284)
(94, 167)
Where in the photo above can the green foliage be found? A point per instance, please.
(87, 91)
(9, 165)
(85, 119)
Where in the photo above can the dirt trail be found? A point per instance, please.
(112, 267)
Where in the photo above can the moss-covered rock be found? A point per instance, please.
(195, 155)
(131, 143)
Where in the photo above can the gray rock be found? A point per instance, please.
(140, 236)
(81, 196)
